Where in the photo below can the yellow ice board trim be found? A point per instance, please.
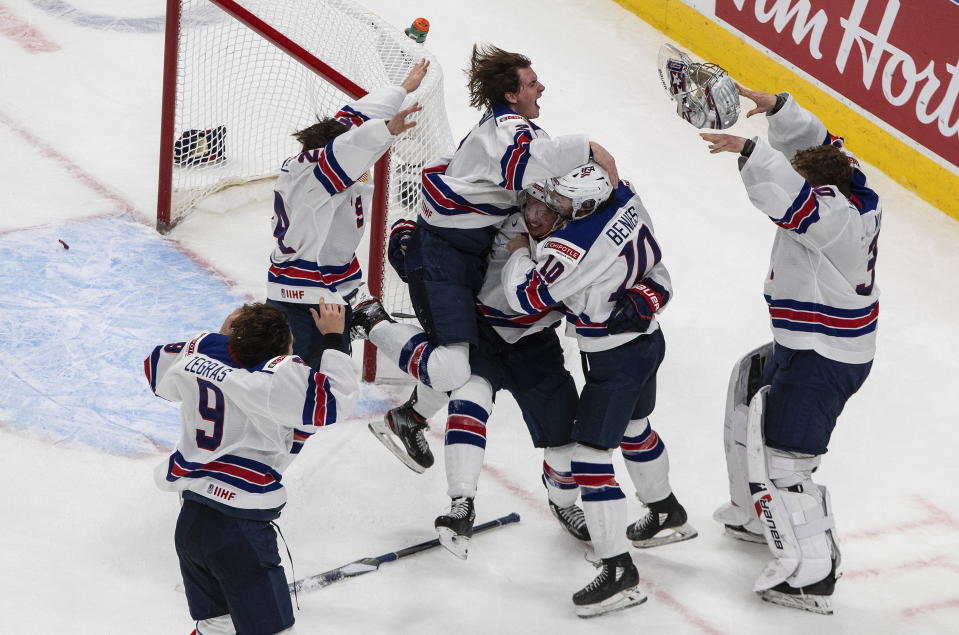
(752, 68)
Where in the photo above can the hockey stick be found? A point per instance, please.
(368, 565)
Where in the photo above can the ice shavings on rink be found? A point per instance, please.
(73, 323)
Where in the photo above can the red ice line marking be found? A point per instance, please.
(941, 561)
(923, 609)
(652, 588)
(23, 34)
(935, 516)
(123, 206)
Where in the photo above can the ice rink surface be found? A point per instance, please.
(88, 539)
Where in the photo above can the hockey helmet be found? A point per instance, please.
(705, 94)
(579, 193)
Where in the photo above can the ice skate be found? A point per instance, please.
(741, 533)
(367, 314)
(403, 431)
(572, 519)
(614, 589)
(664, 522)
(455, 528)
(814, 598)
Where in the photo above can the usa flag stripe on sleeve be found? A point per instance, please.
(802, 213)
(245, 474)
(792, 315)
(319, 407)
(513, 163)
(597, 481)
(445, 201)
(466, 423)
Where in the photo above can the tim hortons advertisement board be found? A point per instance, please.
(896, 59)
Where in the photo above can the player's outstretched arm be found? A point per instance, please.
(723, 142)
(605, 160)
(764, 101)
(415, 76)
(398, 124)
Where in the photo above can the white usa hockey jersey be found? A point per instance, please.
(587, 266)
(478, 185)
(321, 203)
(820, 287)
(242, 427)
(492, 303)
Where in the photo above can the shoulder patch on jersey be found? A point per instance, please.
(563, 248)
(191, 347)
(273, 363)
(506, 118)
(824, 190)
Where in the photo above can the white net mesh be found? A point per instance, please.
(239, 98)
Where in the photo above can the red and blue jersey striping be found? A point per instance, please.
(305, 273)
(319, 407)
(245, 474)
(442, 199)
(513, 163)
(810, 317)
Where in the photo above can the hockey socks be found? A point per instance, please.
(646, 461)
(468, 411)
(604, 503)
(443, 368)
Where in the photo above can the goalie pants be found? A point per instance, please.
(806, 396)
(232, 565)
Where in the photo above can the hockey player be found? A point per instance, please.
(522, 354)
(466, 198)
(824, 307)
(604, 266)
(246, 407)
(320, 205)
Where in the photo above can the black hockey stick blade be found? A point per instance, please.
(368, 565)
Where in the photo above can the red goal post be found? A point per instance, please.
(239, 77)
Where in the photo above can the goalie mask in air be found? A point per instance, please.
(705, 94)
(541, 220)
(579, 193)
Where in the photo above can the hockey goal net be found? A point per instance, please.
(241, 77)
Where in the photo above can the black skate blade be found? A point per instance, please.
(453, 542)
(668, 536)
(382, 432)
(740, 533)
(622, 600)
(819, 604)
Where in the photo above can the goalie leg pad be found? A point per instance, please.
(795, 512)
(744, 381)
